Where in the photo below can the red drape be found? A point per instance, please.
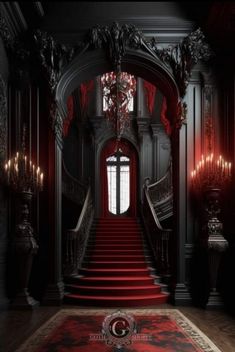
(85, 89)
(128, 150)
(150, 92)
(164, 118)
(69, 116)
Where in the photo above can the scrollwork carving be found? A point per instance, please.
(115, 40)
(182, 57)
(18, 54)
(53, 56)
(5, 32)
(182, 110)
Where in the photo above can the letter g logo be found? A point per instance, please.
(119, 327)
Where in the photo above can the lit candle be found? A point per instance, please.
(220, 160)
(6, 166)
(41, 179)
(229, 169)
(226, 168)
(37, 172)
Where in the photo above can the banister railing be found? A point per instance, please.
(159, 238)
(161, 195)
(162, 188)
(76, 239)
(71, 187)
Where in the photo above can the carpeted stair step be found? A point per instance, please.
(115, 264)
(110, 301)
(116, 291)
(116, 251)
(119, 257)
(111, 241)
(117, 269)
(118, 246)
(114, 272)
(112, 281)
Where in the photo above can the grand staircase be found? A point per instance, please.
(116, 270)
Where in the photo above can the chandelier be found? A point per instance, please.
(118, 91)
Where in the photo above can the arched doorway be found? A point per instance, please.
(118, 171)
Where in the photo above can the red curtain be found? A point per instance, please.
(150, 92)
(69, 117)
(109, 149)
(85, 89)
(164, 118)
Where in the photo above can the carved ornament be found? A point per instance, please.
(182, 110)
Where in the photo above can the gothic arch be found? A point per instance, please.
(136, 62)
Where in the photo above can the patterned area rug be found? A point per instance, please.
(129, 330)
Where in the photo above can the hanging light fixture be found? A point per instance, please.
(118, 91)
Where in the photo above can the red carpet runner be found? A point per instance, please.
(115, 271)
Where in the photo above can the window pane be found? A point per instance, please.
(124, 188)
(124, 158)
(112, 203)
(111, 158)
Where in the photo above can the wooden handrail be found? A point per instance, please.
(76, 238)
(159, 237)
(162, 179)
(161, 194)
(83, 212)
(154, 215)
(71, 187)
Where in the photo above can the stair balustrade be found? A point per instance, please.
(161, 195)
(77, 238)
(159, 238)
(72, 188)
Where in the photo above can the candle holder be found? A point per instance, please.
(25, 179)
(210, 177)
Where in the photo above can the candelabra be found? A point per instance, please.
(211, 173)
(209, 178)
(22, 175)
(24, 179)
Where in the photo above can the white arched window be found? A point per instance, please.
(118, 175)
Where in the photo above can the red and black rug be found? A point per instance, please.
(143, 330)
